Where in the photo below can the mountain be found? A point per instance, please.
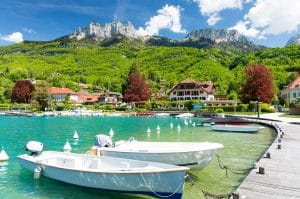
(117, 32)
(98, 32)
(219, 38)
(294, 40)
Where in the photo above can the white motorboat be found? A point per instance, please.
(195, 155)
(108, 173)
(185, 115)
(162, 114)
(236, 128)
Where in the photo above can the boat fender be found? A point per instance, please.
(37, 172)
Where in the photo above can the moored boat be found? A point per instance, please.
(185, 115)
(236, 128)
(195, 155)
(108, 173)
(225, 120)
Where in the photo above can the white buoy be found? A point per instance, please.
(194, 124)
(148, 130)
(111, 133)
(75, 136)
(67, 147)
(3, 155)
(158, 128)
(171, 125)
(178, 127)
(185, 122)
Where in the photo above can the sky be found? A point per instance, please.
(265, 22)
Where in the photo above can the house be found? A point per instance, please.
(60, 94)
(83, 97)
(111, 98)
(292, 91)
(189, 89)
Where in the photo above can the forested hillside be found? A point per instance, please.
(66, 64)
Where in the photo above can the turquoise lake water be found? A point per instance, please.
(240, 151)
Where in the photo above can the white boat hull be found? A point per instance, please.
(190, 154)
(111, 174)
(236, 128)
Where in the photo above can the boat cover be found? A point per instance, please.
(103, 141)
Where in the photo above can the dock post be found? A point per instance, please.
(279, 146)
(268, 155)
(235, 195)
(261, 170)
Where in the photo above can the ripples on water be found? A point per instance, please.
(240, 151)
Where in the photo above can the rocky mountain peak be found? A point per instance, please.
(107, 30)
(217, 35)
(294, 40)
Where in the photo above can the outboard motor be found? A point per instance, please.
(35, 148)
(103, 141)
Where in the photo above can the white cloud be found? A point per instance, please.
(15, 37)
(168, 17)
(269, 17)
(211, 8)
(213, 19)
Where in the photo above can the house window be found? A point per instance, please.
(294, 95)
(187, 92)
(180, 93)
(174, 93)
(195, 93)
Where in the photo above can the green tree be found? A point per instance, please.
(41, 96)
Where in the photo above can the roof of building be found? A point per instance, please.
(88, 98)
(188, 81)
(207, 86)
(295, 83)
(60, 90)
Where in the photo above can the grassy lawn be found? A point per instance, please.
(289, 115)
(240, 113)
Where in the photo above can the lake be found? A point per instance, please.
(240, 151)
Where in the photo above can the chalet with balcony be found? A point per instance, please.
(111, 98)
(189, 89)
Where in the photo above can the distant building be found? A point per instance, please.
(59, 94)
(111, 98)
(83, 97)
(292, 91)
(189, 89)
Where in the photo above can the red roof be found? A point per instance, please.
(295, 83)
(89, 98)
(60, 90)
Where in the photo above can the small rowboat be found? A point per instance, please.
(108, 173)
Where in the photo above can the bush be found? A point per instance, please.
(219, 110)
(265, 108)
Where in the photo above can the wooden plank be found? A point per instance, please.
(282, 171)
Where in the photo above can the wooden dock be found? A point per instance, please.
(281, 178)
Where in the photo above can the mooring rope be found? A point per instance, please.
(207, 194)
(160, 195)
(227, 169)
